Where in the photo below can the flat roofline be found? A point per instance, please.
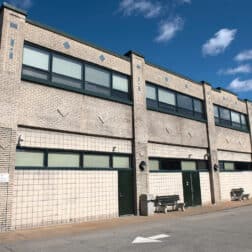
(13, 8)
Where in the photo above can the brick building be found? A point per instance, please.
(84, 131)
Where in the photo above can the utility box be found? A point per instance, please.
(147, 207)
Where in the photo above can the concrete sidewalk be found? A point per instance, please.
(77, 228)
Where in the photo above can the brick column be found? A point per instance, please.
(12, 31)
(139, 128)
(213, 154)
(249, 111)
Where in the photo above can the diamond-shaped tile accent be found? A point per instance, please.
(66, 45)
(166, 79)
(102, 57)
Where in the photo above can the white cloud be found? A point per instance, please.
(168, 29)
(245, 55)
(239, 69)
(147, 8)
(23, 4)
(218, 44)
(241, 86)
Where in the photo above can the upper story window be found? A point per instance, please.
(168, 101)
(229, 118)
(235, 166)
(50, 68)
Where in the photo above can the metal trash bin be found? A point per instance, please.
(147, 207)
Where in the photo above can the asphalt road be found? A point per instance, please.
(228, 230)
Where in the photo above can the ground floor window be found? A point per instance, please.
(167, 164)
(235, 166)
(27, 158)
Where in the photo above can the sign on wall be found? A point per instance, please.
(4, 177)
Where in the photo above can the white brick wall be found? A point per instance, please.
(53, 139)
(205, 188)
(234, 156)
(171, 151)
(51, 197)
(166, 183)
(230, 180)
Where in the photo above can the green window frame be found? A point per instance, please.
(171, 102)
(66, 72)
(228, 118)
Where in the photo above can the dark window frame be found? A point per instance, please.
(46, 152)
(114, 95)
(229, 123)
(156, 105)
(178, 160)
(236, 164)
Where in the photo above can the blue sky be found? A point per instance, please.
(202, 39)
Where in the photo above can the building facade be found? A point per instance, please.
(84, 132)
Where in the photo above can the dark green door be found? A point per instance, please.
(125, 192)
(191, 186)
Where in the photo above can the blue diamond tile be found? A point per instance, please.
(66, 45)
(102, 58)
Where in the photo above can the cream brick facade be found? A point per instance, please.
(39, 116)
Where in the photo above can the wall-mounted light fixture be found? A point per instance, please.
(216, 167)
(142, 165)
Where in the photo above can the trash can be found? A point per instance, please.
(147, 204)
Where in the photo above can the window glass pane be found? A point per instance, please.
(154, 165)
(216, 112)
(235, 117)
(97, 76)
(36, 58)
(188, 165)
(170, 164)
(121, 162)
(34, 73)
(229, 166)
(202, 165)
(198, 106)
(120, 83)
(166, 97)
(66, 81)
(151, 92)
(63, 160)
(224, 114)
(68, 67)
(96, 161)
(29, 159)
(185, 102)
(243, 120)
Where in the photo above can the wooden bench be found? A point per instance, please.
(162, 202)
(238, 194)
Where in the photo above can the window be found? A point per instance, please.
(202, 165)
(229, 166)
(96, 161)
(229, 118)
(151, 95)
(167, 101)
(37, 58)
(188, 166)
(154, 165)
(121, 162)
(170, 164)
(63, 160)
(29, 159)
(185, 104)
(46, 67)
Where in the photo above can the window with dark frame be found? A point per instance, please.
(171, 102)
(27, 158)
(47, 67)
(229, 118)
(235, 166)
(168, 164)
